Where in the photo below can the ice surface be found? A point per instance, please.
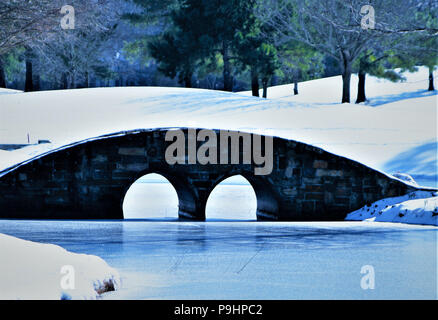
(251, 260)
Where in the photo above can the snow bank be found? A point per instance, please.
(8, 91)
(419, 207)
(30, 270)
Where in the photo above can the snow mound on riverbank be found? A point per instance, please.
(31, 270)
(419, 207)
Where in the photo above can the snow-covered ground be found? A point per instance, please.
(30, 270)
(420, 207)
(378, 91)
(394, 132)
(9, 91)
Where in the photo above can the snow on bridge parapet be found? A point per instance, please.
(89, 179)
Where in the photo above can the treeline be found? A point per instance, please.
(230, 45)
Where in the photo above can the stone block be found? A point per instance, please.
(314, 196)
(308, 206)
(328, 173)
(320, 164)
(100, 158)
(290, 192)
(132, 151)
(343, 192)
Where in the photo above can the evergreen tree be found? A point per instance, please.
(177, 55)
(256, 51)
(203, 28)
(300, 62)
(375, 64)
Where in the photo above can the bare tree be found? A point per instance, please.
(22, 21)
(36, 26)
(342, 29)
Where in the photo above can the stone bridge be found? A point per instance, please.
(89, 180)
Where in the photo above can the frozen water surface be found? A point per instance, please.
(251, 260)
(242, 259)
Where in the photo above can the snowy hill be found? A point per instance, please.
(379, 91)
(410, 95)
(395, 131)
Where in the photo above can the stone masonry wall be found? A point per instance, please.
(90, 179)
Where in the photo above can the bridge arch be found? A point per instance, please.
(267, 203)
(233, 198)
(188, 205)
(151, 197)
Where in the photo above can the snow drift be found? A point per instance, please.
(419, 207)
(30, 270)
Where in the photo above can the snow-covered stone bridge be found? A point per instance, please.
(89, 180)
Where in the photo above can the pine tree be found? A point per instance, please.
(256, 51)
(203, 29)
(177, 55)
(299, 62)
(375, 63)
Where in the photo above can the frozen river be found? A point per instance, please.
(245, 259)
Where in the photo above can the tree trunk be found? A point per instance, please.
(2, 75)
(87, 81)
(28, 85)
(64, 84)
(431, 86)
(346, 76)
(296, 75)
(255, 83)
(265, 87)
(228, 79)
(361, 97)
(188, 80)
(91, 82)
